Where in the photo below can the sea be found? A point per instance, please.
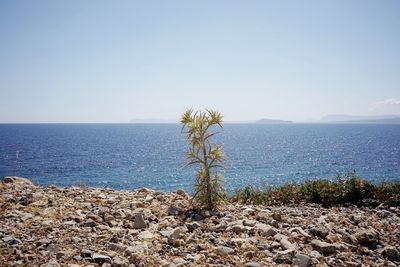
(130, 156)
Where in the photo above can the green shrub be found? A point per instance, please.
(388, 192)
(250, 195)
(353, 189)
(289, 193)
(346, 189)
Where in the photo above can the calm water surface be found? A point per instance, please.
(153, 155)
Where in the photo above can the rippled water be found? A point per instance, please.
(153, 155)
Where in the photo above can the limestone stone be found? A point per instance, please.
(264, 229)
(223, 251)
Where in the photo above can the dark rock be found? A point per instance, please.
(320, 231)
(277, 217)
(26, 199)
(85, 253)
(172, 210)
(391, 253)
(285, 256)
(139, 222)
(265, 230)
(100, 259)
(200, 247)
(369, 238)
(302, 260)
(192, 226)
(89, 223)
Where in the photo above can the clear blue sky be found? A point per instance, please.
(113, 61)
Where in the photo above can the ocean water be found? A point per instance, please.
(128, 156)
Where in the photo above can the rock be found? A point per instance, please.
(145, 235)
(119, 261)
(320, 231)
(47, 223)
(324, 247)
(221, 227)
(100, 259)
(172, 210)
(108, 218)
(238, 228)
(286, 245)
(391, 253)
(391, 264)
(139, 222)
(349, 239)
(223, 251)
(285, 256)
(264, 229)
(56, 230)
(96, 217)
(175, 236)
(192, 226)
(264, 216)
(252, 264)
(277, 216)
(352, 264)
(11, 240)
(144, 190)
(200, 247)
(138, 248)
(299, 231)
(51, 263)
(179, 261)
(250, 223)
(89, 223)
(369, 238)
(181, 192)
(85, 253)
(302, 260)
(115, 247)
(16, 180)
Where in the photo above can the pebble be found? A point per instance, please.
(50, 226)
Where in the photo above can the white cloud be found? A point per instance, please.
(389, 102)
(387, 106)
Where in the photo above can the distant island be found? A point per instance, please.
(270, 121)
(378, 119)
(155, 120)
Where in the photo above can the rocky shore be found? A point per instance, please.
(50, 226)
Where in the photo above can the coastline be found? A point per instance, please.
(50, 226)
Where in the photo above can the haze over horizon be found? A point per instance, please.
(98, 61)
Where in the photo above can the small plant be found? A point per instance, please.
(199, 127)
(388, 192)
(250, 195)
(346, 189)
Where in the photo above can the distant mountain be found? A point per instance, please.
(153, 121)
(389, 119)
(270, 121)
(381, 121)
